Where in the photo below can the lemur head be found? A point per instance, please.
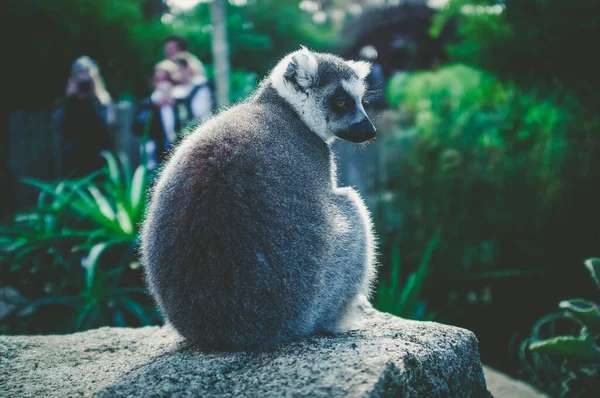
(327, 92)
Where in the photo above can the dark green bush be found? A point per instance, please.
(492, 166)
(562, 354)
(540, 44)
(70, 263)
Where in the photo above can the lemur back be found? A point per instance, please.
(247, 242)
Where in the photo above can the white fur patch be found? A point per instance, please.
(307, 70)
(361, 68)
(356, 88)
(341, 225)
(307, 63)
(371, 262)
(304, 104)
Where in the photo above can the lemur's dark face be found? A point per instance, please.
(327, 92)
(341, 87)
(347, 117)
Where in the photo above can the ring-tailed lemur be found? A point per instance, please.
(248, 243)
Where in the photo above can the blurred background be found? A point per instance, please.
(483, 180)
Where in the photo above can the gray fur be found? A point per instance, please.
(248, 243)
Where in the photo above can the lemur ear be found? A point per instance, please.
(361, 68)
(301, 71)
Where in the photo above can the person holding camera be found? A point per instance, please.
(83, 119)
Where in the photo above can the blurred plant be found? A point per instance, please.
(407, 302)
(527, 191)
(498, 169)
(242, 83)
(479, 153)
(72, 258)
(538, 44)
(562, 354)
(260, 32)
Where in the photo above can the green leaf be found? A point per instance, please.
(88, 207)
(500, 274)
(409, 297)
(18, 232)
(127, 174)
(395, 273)
(113, 168)
(138, 190)
(593, 265)
(34, 305)
(586, 311)
(568, 346)
(59, 190)
(92, 263)
(94, 257)
(119, 319)
(102, 203)
(84, 315)
(34, 246)
(45, 187)
(136, 309)
(124, 219)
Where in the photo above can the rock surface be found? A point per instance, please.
(385, 357)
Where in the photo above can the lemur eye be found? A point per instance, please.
(341, 103)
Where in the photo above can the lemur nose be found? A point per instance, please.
(364, 128)
(368, 126)
(359, 132)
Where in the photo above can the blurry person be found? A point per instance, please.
(194, 95)
(156, 117)
(84, 119)
(175, 45)
(375, 80)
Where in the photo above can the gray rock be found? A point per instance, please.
(386, 357)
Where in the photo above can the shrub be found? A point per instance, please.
(70, 263)
(495, 168)
(562, 354)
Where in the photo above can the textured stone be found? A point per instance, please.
(386, 357)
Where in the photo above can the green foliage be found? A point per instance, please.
(73, 256)
(497, 168)
(483, 154)
(406, 302)
(260, 32)
(504, 171)
(242, 82)
(520, 135)
(537, 43)
(593, 266)
(563, 352)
